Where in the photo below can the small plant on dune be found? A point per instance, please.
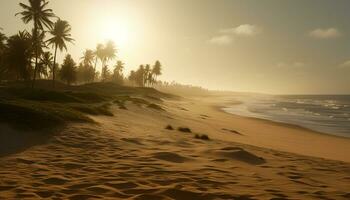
(184, 129)
(202, 137)
(169, 127)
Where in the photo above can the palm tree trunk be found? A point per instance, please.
(54, 67)
(36, 51)
(95, 68)
(36, 66)
(103, 70)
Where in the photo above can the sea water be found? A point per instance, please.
(323, 113)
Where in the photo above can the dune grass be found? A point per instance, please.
(43, 108)
(28, 115)
(93, 109)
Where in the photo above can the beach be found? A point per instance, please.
(133, 156)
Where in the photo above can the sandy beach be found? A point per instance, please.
(133, 156)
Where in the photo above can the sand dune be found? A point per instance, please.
(132, 156)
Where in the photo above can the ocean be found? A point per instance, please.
(323, 113)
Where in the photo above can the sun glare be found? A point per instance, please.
(115, 31)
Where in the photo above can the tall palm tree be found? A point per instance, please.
(109, 53)
(37, 12)
(146, 75)
(157, 70)
(99, 54)
(110, 50)
(60, 35)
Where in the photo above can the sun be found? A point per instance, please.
(116, 31)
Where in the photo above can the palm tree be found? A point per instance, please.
(119, 67)
(118, 72)
(37, 12)
(86, 71)
(146, 75)
(88, 57)
(46, 63)
(61, 34)
(99, 52)
(157, 70)
(110, 50)
(3, 39)
(109, 53)
(68, 71)
(17, 56)
(132, 77)
(140, 76)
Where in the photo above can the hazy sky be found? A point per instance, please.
(270, 46)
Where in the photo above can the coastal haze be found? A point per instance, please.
(174, 99)
(280, 47)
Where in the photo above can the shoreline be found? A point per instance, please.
(232, 102)
(274, 135)
(286, 124)
(229, 102)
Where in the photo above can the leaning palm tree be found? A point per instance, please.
(60, 35)
(37, 12)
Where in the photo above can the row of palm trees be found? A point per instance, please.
(145, 75)
(19, 52)
(36, 12)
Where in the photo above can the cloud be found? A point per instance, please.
(293, 65)
(221, 40)
(346, 64)
(242, 30)
(325, 33)
(226, 36)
